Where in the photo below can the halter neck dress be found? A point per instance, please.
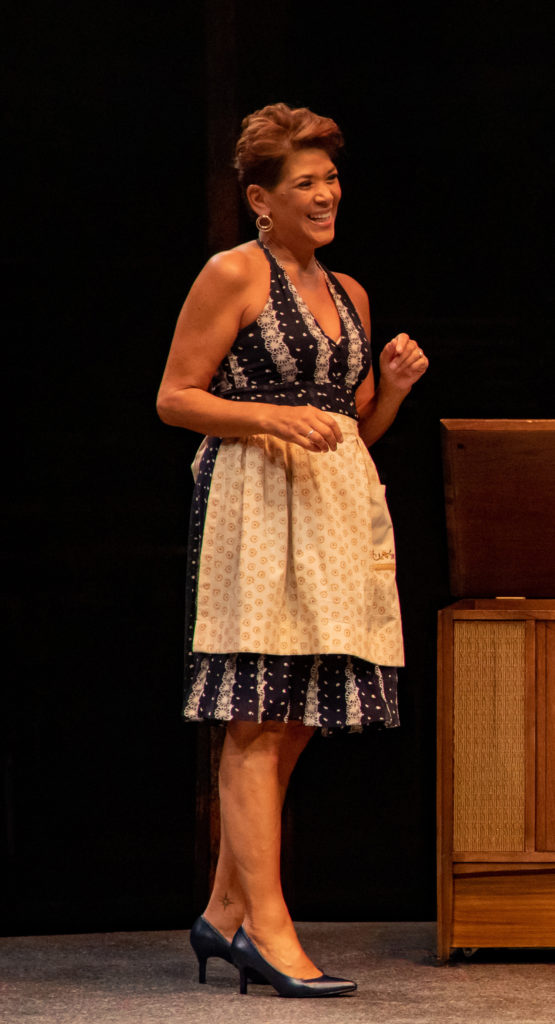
(292, 608)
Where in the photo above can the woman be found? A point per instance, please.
(293, 620)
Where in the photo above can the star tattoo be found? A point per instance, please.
(225, 901)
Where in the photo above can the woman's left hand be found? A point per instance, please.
(402, 363)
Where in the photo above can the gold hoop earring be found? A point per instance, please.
(264, 222)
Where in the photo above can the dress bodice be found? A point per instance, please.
(284, 356)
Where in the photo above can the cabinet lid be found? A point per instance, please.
(499, 478)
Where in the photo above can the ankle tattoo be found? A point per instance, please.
(225, 901)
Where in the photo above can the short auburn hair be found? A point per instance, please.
(269, 135)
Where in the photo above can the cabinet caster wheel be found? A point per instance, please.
(469, 951)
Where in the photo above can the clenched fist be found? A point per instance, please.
(402, 363)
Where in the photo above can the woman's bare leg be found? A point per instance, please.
(257, 761)
(226, 907)
(294, 742)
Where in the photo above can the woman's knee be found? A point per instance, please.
(253, 744)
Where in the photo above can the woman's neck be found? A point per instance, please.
(300, 263)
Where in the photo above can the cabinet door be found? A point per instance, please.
(545, 789)
(489, 733)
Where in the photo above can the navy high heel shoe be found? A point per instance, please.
(208, 941)
(247, 958)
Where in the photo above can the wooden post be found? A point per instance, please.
(222, 125)
(222, 232)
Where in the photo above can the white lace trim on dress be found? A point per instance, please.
(355, 344)
(352, 697)
(273, 340)
(261, 684)
(311, 713)
(321, 372)
(225, 696)
(240, 380)
(197, 691)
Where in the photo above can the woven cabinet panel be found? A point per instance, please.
(548, 729)
(489, 738)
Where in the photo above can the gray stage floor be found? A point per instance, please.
(151, 978)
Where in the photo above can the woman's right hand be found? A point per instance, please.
(310, 428)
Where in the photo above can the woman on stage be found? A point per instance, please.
(293, 616)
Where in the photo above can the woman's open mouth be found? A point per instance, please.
(320, 218)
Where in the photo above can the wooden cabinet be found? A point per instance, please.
(496, 688)
(496, 774)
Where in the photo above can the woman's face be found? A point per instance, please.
(303, 205)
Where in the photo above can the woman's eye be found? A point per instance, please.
(330, 180)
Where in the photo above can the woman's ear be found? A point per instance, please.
(258, 199)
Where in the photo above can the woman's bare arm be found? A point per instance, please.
(402, 363)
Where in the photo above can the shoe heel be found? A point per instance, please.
(202, 970)
(243, 981)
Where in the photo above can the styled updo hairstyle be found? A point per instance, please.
(269, 135)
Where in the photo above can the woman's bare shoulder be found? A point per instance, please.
(357, 295)
(353, 288)
(235, 267)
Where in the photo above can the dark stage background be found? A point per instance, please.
(121, 114)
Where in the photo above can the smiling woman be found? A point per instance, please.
(305, 199)
(293, 617)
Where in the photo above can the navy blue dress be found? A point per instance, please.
(285, 357)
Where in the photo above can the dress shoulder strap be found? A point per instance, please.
(344, 296)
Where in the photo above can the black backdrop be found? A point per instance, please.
(445, 219)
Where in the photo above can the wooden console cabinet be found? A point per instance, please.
(496, 693)
(496, 774)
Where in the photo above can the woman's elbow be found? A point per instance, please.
(175, 407)
(165, 407)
